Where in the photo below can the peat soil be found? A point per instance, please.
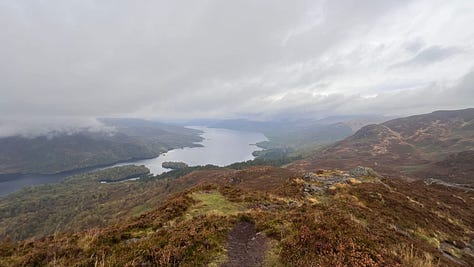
(245, 247)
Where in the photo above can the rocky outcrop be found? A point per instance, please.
(332, 180)
(360, 171)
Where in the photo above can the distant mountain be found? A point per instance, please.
(132, 139)
(355, 122)
(301, 133)
(405, 145)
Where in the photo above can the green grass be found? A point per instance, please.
(214, 202)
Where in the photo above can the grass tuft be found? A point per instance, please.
(409, 257)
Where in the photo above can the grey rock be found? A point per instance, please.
(309, 176)
(363, 171)
(313, 188)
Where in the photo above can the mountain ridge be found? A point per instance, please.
(401, 146)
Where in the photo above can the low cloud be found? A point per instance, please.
(49, 126)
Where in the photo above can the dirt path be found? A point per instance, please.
(245, 247)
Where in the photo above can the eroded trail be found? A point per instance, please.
(245, 247)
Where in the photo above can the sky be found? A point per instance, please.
(65, 63)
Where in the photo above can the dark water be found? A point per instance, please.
(12, 182)
(220, 147)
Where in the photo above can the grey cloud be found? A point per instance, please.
(414, 45)
(429, 55)
(79, 60)
(400, 102)
(426, 99)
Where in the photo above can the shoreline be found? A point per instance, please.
(88, 168)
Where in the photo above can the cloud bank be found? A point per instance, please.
(79, 60)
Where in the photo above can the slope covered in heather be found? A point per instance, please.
(324, 210)
(326, 218)
(403, 146)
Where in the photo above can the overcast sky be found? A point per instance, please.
(77, 60)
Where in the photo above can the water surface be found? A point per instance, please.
(220, 147)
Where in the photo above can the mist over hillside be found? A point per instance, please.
(123, 140)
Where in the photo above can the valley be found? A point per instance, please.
(213, 149)
(353, 203)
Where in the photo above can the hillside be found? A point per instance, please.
(403, 146)
(327, 218)
(325, 210)
(82, 201)
(131, 139)
(457, 168)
